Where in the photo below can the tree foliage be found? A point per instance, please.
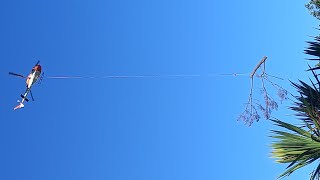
(314, 8)
(299, 145)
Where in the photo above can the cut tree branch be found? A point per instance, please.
(258, 65)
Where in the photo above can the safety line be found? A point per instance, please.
(146, 76)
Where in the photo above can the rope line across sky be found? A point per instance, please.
(147, 76)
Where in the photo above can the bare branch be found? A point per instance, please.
(251, 113)
(258, 66)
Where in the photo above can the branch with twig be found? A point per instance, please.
(251, 114)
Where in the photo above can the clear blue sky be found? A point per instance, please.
(143, 128)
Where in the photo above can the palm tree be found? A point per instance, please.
(299, 145)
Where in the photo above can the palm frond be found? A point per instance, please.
(314, 48)
(299, 146)
(295, 147)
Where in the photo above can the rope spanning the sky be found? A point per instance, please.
(147, 76)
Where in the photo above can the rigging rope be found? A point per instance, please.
(146, 76)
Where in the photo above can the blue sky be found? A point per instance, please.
(158, 128)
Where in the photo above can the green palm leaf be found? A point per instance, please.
(295, 147)
(299, 146)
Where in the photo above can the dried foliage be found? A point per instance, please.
(255, 109)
